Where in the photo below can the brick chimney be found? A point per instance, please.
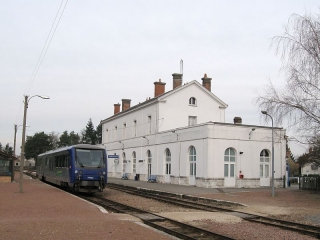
(159, 88)
(125, 104)
(237, 120)
(206, 82)
(177, 80)
(116, 108)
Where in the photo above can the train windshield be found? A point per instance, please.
(89, 158)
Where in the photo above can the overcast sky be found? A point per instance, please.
(104, 51)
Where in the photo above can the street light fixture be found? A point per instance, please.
(266, 113)
(26, 101)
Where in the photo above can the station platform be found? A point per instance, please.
(44, 212)
(184, 189)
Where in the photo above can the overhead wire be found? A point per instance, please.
(46, 46)
(43, 51)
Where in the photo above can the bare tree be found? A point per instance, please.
(298, 101)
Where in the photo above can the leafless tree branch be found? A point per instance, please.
(297, 102)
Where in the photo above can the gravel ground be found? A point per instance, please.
(286, 205)
(249, 231)
(290, 204)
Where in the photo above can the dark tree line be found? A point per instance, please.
(42, 142)
(7, 149)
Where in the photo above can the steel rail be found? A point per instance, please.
(170, 226)
(179, 200)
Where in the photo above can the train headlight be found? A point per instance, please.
(76, 171)
(104, 173)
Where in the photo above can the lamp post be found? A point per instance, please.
(26, 101)
(266, 113)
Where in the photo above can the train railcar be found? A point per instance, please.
(82, 167)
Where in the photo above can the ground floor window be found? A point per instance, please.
(124, 162)
(264, 163)
(134, 160)
(168, 162)
(229, 162)
(192, 161)
(149, 162)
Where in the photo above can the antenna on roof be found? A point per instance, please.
(181, 68)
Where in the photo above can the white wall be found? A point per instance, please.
(211, 141)
(211, 137)
(307, 170)
(170, 112)
(174, 109)
(128, 118)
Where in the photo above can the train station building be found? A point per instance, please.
(181, 137)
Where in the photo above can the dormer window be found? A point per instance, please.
(192, 101)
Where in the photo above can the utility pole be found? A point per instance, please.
(14, 143)
(23, 143)
(24, 138)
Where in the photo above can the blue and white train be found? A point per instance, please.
(82, 167)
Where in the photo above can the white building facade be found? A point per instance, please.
(181, 137)
(310, 169)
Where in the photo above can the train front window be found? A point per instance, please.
(89, 158)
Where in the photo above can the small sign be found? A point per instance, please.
(113, 156)
(140, 160)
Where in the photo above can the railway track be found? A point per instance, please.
(185, 231)
(172, 227)
(214, 206)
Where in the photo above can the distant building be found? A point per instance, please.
(310, 169)
(181, 137)
(6, 167)
(27, 162)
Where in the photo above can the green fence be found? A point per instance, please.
(310, 182)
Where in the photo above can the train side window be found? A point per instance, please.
(63, 157)
(59, 161)
(67, 160)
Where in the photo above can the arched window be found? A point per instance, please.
(264, 163)
(192, 161)
(192, 101)
(229, 162)
(149, 162)
(134, 160)
(168, 161)
(124, 161)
